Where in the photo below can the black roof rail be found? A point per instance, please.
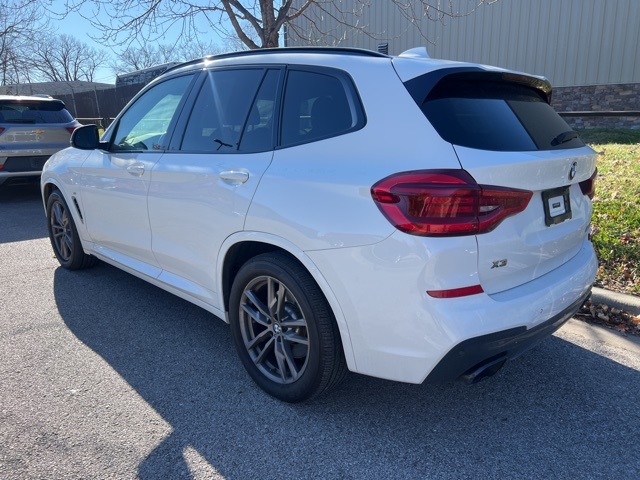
(261, 51)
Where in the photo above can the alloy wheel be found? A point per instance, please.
(61, 231)
(274, 330)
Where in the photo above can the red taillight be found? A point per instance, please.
(588, 186)
(445, 203)
(456, 292)
(71, 129)
(1, 130)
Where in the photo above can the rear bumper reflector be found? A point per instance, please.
(456, 292)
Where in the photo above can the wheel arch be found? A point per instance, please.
(240, 248)
(47, 188)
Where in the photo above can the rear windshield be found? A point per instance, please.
(33, 111)
(497, 116)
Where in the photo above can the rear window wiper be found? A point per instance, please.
(564, 137)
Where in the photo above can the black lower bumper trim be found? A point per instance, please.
(25, 164)
(507, 344)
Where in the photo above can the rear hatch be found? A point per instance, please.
(31, 130)
(506, 134)
(34, 123)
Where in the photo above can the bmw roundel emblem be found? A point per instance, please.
(572, 170)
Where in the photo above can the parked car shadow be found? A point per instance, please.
(22, 213)
(558, 412)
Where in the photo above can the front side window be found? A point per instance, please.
(144, 126)
(221, 111)
(317, 106)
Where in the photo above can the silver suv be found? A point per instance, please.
(32, 128)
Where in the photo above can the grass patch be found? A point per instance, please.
(616, 216)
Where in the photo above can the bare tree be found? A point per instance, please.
(189, 50)
(19, 23)
(136, 58)
(149, 54)
(256, 23)
(63, 57)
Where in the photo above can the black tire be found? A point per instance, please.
(64, 235)
(291, 349)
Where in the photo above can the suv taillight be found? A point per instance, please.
(71, 129)
(445, 203)
(588, 186)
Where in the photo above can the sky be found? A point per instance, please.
(81, 28)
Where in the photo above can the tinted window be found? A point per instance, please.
(145, 124)
(496, 116)
(220, 111)
(316, 106)
(33, 111)
(258, 131)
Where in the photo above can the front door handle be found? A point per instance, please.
(136, 169)
(234, 177)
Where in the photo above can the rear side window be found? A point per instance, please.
(33, 111)
(496, 116)
(318, 105)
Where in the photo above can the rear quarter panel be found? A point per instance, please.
(317, 195)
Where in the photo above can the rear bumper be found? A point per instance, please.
(18, 176)
(23, 163)
(468, 359)
(398, 332)
(20, 167)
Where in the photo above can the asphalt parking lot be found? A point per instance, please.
(105, 376)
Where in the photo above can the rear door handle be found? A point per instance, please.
(136, 169)
(234, 177)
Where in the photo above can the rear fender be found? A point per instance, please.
(311, 267)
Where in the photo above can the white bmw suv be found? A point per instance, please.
(401, 217)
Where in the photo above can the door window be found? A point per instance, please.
(258, 131)
(221, 111)
(144, 126)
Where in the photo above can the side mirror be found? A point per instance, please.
(85, 137)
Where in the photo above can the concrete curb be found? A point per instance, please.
(602, 335)
(621, 301)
